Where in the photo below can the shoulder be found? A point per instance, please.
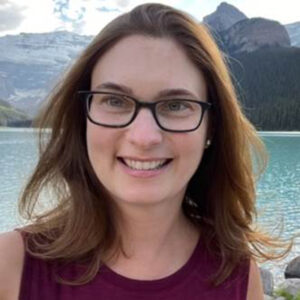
(255, 287)
(11, 264)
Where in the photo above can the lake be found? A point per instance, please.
(278, 191)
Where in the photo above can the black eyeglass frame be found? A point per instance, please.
(142, 104)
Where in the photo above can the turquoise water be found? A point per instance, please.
(18, 153)
(278, 190)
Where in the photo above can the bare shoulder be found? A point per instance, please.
(11, 264)
(255, 287)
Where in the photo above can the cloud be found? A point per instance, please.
(129, 4)
(11, 15)
(69, 11)
(286, 11)
(90, 16)
(36, 16)
(106, 9)
(122, 3)
(80, 16)
(86, 17)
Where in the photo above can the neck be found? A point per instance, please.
(152, 231)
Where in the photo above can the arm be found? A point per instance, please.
(255, 287)
(11, 264)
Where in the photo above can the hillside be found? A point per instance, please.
(9, 116)
(252, 34)
(268, 88)
(31, 64)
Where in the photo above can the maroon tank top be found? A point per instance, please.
(189, 282)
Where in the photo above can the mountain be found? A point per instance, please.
(30, 64)
(253, 34)
(224, 17)
(234, 31)
(266, 81)
(10, 116)
(263, 65)
(294, 33)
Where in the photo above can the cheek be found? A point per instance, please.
(195, 150)
(99, 144)
(192, 148)
(91, 140)
(103, 145)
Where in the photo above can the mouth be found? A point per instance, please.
(148, 165)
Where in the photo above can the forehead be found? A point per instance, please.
(147, 65)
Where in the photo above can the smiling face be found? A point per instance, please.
(141, 163)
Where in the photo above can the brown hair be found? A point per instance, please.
(220, 195)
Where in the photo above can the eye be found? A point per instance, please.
(111, 103)
(175, 106)
(114, 101)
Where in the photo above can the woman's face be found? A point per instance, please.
(145, 67)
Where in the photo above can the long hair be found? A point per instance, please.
(220, 197)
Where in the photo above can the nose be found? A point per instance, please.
(144, 132)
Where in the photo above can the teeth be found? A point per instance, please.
(145, 165)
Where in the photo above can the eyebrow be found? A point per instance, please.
(164, 93)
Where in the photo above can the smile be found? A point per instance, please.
(145, 165)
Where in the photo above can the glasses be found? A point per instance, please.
(117, 111)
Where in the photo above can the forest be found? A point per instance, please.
(268, 87)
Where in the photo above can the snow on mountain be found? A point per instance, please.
(54, 47)
(294, 33)
(31, 63)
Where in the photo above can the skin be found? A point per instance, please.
(149, 66)
(146, 66)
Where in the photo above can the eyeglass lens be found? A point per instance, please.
(117, 110)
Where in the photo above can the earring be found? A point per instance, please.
(208, 142)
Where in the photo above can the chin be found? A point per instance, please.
(142, 198)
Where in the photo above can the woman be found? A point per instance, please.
(149, 160)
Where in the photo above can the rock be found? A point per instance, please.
(224, 17)
(293, 269)
(253, 34)
(292, 286)
(267, 280)
(294, 33)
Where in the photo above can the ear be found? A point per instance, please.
(210, 128)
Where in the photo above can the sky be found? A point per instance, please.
(89, 16)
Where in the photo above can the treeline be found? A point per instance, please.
(268, 86)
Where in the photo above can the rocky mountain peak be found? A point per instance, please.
(255, 33)
(225, 7)
(224, 17)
